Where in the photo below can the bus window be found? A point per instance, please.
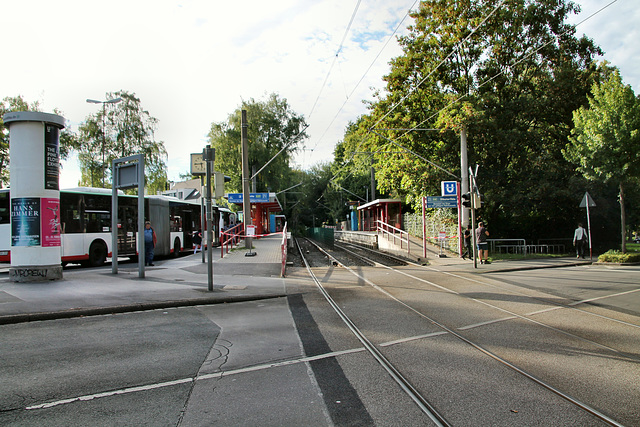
(97, 221)
(71, 204)
(5, 217)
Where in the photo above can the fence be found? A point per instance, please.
(434, 225)
(321, 234)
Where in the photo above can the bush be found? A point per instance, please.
(617, 256)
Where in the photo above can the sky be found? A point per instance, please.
(193, 62)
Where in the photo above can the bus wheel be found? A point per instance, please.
(97, 254)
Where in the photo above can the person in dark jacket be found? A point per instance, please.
(467, 243)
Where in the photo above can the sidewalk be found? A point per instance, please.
(170, 283)
(453, 262)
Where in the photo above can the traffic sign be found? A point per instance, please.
(587, 201)
(449, 188)
(442, 202)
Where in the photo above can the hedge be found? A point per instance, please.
(617, 256)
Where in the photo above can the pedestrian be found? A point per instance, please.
(197, 241)
(467, 243)
(580, 240)
(483, 246)
(150, 241)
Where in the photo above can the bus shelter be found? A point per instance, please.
(262, 206)
(388, 211)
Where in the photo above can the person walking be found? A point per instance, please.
(483, 246)
(197, 241)
(150, 241)
(467, 243)
(580, 240)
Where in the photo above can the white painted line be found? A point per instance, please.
(189, 380)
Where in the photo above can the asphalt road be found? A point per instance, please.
(291, 361)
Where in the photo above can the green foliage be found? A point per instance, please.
(605, 143)
(619, 257)
(513, 87)
(272, 126)
(116, 131)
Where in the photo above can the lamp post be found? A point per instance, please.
(104, 103)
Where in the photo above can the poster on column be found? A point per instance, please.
(25, 221)
(51, 158)
(50, 213)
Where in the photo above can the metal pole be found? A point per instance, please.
(464, 168)
(209, 229)
(203, 215)
(246, 202)
(141, 216)
(589, 230)
(473, 226)
(114, 219)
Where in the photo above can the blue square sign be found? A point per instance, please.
(449, 188)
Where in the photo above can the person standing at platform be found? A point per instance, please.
(483, 245)
(150, 241)
(467, 244)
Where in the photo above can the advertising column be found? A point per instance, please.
(35, 195)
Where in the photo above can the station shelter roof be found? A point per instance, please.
(378, 202)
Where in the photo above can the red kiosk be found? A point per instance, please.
(262, 204)
(388, 211)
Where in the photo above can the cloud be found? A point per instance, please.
(191, 62)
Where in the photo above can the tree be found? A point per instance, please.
(273, 127)
(68, 141)
(605, 142)
(513, 87)
(117, 131)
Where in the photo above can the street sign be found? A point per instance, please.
(442, 202)
(587, 201)
(253, 198)
(449, 188)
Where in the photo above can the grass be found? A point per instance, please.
(516, 257)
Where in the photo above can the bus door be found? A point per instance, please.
(188, 229)
(127, 226)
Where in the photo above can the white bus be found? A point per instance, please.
(85, 224)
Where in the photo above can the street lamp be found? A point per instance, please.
(104, 103)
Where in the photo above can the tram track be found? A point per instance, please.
(449, 330)
(424, 405)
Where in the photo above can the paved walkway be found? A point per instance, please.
(184, 281)
(170, 283)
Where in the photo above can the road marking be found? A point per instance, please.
(189, 380)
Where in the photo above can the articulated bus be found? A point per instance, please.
(85, 224)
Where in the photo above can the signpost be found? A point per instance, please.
(442, 202)
(588, 202)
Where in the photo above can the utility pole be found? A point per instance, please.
(464, 169)
(246, 202)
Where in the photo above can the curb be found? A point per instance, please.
(536, 267)
(13, 319)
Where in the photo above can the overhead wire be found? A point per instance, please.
(335, 57)
(489, 80)
(365, 74)
(422, 81)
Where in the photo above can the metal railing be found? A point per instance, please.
(230, 237)
(390, 232)
(520, 246)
